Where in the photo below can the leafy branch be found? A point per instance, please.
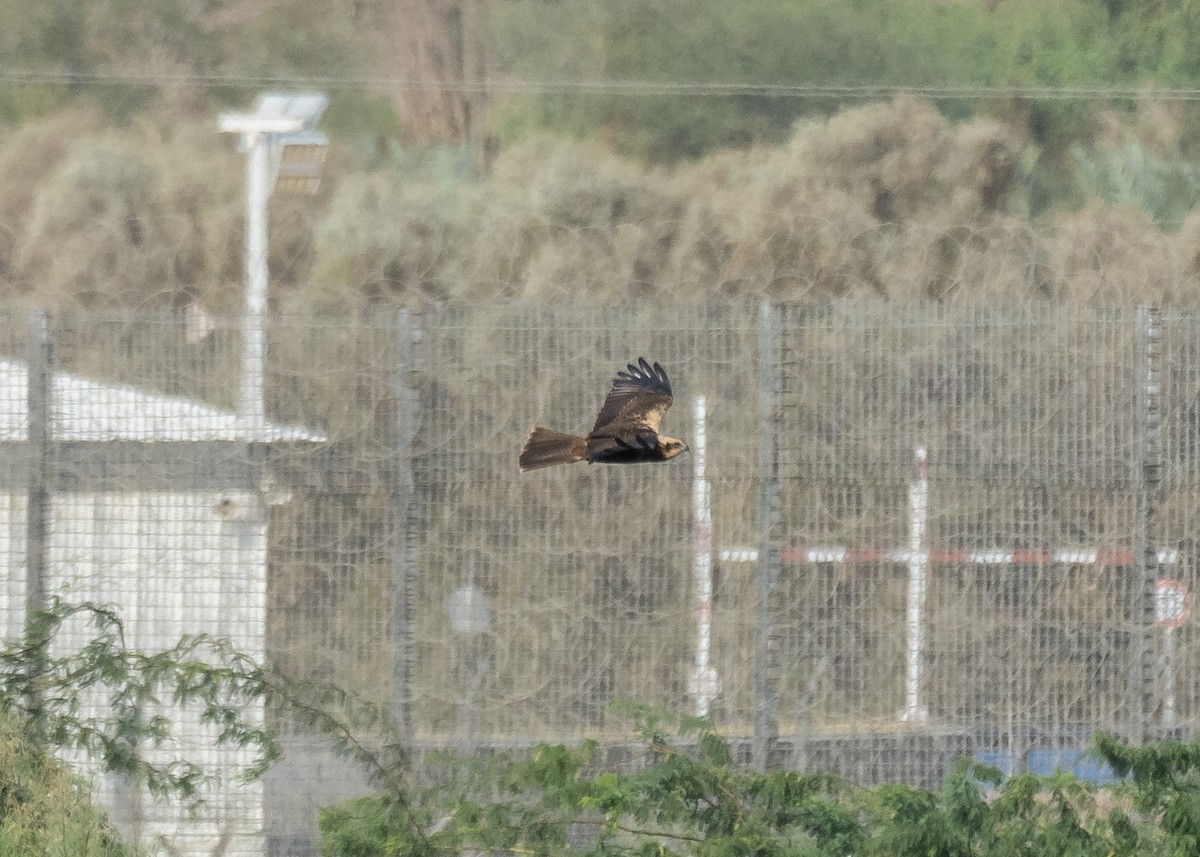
(230, 691)
(690, 797)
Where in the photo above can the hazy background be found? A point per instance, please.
(910, 148)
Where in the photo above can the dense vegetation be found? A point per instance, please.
(43, 810)
(115, 189)
(107, 708)
(993, 43)
(893, 199)
(821, 43)
(46, 710)
(690, 797)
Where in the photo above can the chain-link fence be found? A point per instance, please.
(903, 533)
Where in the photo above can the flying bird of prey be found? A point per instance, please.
(626, 428)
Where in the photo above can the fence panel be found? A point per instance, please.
(961, 492)
(962, 478)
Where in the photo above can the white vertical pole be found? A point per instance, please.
(254, 346)
(918, 570)
(704, 678)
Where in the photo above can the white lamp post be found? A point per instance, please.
(284, 152)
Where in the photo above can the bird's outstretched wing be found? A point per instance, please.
(639, 397)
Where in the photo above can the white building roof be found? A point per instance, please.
(84, 410)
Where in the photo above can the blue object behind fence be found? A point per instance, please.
(1046, 762)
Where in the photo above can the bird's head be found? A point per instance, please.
(672, 446)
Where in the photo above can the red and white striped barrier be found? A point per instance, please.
(917, 556)
(995, 556)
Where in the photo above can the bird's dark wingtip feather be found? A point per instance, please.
(641, 374)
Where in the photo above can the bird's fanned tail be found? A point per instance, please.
(546, 448)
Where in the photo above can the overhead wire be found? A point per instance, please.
(619, 87)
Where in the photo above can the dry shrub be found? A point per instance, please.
(203, 192)
(1108, 253)
(27, 157)
(890, 156)
(570, 183)
(698, 254)
(875, 199)
(95, 232)
(967, 245)
(890, 199)
(603, 224)
(555, 217)
(792, 243)
(997, 257)
(1186, 249)
(567, 217)
(710, 190)
(139, 217)
(982, 170)
(1160, 125)
(387, 237)
(783, 230)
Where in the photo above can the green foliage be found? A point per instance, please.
(693, 801)
(760, 42)
(44, 811)
(905, 43)
(1154, 39)
(168, 45)
(690, 797)
(1166, 785)
(1131, 177)
(819, 43)
(41, 688)
(298, 37)
(100, 39)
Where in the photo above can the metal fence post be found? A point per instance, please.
(404, 543)
(1147, 467)
(766, 642)
(40, 354)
